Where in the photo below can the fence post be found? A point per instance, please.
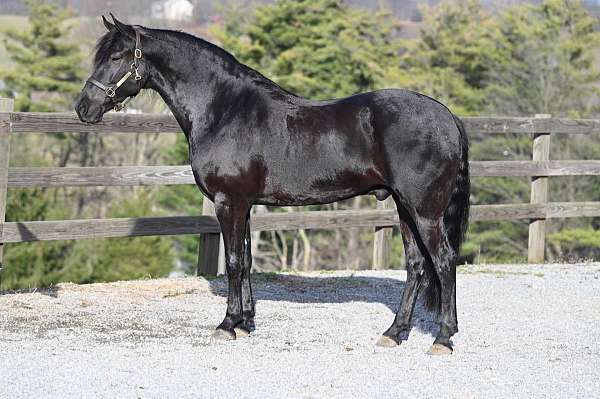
(539, 195)
(382, 243)
(6, 105)
(211, 259)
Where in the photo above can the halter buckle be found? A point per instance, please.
(137, 53)
(110, 92)
(135, 69)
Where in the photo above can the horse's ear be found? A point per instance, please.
(107, 24)
(125, 29)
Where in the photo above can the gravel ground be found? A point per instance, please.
(529, 332)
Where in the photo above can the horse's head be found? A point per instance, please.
(118, 73)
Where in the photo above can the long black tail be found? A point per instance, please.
(456, 219)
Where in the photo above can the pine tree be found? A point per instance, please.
(47, 77)
(453, 56)
(551, 61)
(48, 62)
(316, 48)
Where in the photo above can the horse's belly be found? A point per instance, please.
(317, 184)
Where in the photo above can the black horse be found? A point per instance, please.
(252, 142)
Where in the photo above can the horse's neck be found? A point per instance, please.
(174, 95)
(187, 82)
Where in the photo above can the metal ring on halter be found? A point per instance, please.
(110, 92)
(120, 106)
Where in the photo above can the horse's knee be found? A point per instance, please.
(235, 270)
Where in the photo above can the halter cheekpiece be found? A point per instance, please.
(111, 90)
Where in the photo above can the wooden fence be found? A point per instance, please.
(382, 219)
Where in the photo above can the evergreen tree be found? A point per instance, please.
(316, 48)
(529, 59)
(453, 57)
(47, 61)
(48, 64)
(550, 61)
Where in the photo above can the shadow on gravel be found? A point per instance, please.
(327, 290)
(49, 291)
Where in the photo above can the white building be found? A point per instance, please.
(173, 10)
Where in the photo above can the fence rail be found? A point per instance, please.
(174, 225)
(44, 122)
(539, 169)
(172, 175)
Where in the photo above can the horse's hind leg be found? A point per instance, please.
(247, 324)
(414, 274)
(433, 236)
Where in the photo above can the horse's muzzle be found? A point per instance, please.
(87, 114)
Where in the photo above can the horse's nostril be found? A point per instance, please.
(81, 108)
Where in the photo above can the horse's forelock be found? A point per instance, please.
(104, 46)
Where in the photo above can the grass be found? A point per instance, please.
(208, 277)
(498, 273)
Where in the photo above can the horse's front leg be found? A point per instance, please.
(247, 324)
(232, 217)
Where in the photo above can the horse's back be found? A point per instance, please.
(404, 128)
(393, 117)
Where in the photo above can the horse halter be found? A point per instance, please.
(111, 90)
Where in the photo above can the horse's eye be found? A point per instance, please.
(116, 57)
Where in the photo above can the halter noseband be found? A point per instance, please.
(111, 90)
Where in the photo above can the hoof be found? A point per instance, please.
(386, 342)
(439, 350)
(240, 332)
(222, 335)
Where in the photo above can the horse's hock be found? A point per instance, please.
(540, 169)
